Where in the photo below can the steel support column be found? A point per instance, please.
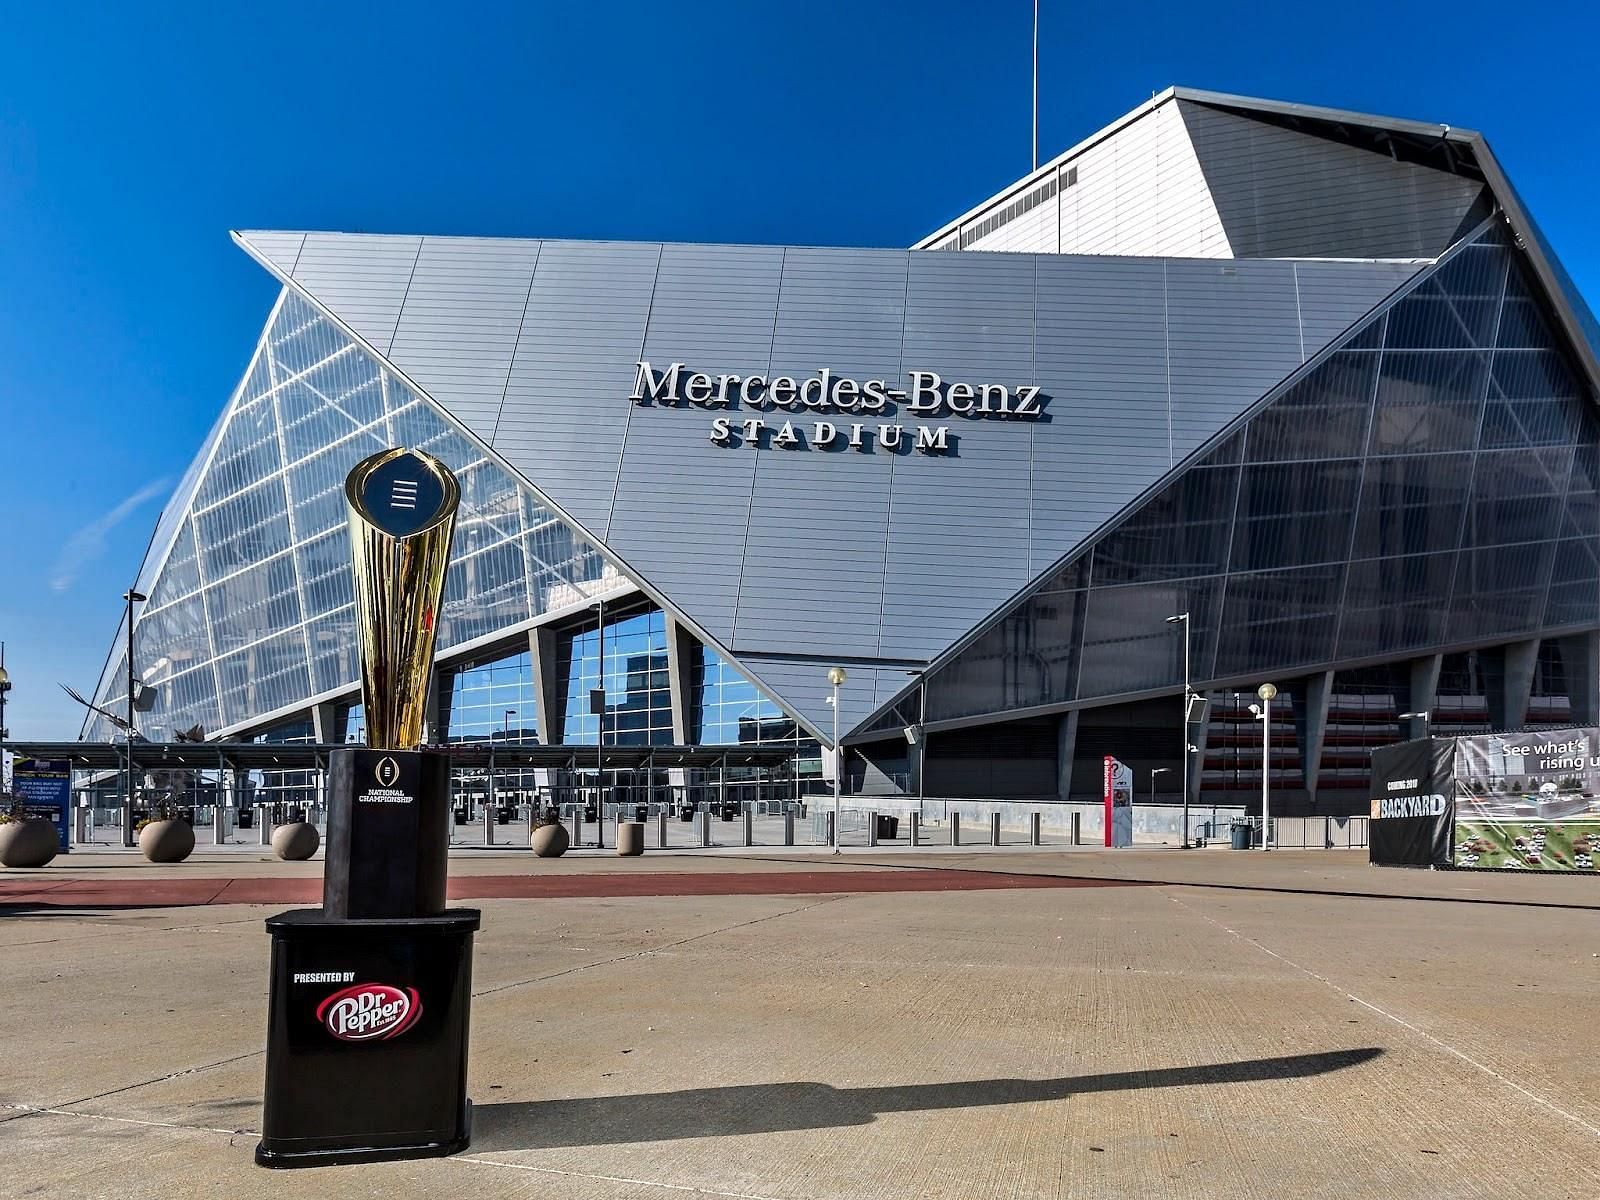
(325, 724)
(1066, 747)
(681, 648)
(1423, 695)
(1580, 658)
(1509, 710)
(548, 711)
(1311, 729)
(436, 710)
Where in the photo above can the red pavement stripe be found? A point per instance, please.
(177, 893)
(748, 883)
(271, 891)
(98, 893)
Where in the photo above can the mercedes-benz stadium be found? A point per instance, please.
(1310, 380)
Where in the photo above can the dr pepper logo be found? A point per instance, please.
(370, 1012)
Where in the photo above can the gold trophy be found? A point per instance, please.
(388, 804)
(401, 508)
(370, 995)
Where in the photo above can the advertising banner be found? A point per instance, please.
(1119, 802)
(1527, 801)
(1412, 804)
(45, 788)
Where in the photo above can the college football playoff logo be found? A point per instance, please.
(387, 772)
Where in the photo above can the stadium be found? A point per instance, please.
(1231, 392)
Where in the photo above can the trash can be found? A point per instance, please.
(1240, 831)
(888, 827)
(247, 818)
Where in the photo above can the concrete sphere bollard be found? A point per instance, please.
(630, 839)
(166, 841)
(27, 843)
(549, 841)
(295, 841)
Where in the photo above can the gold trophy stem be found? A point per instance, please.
(399, 581)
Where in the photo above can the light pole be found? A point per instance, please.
(1422, 716)
(1263, 712)
(1154, 771)
(132, 597)
(836, 677)
(917, 736)
(5, 686)
(505, 736)
(1183, 619)
(597, 702)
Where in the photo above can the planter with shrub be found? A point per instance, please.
(25, 841)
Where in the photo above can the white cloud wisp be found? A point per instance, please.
(89, 542)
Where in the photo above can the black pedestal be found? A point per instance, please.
(388, 833)
(367, 1038)
(367, 1023)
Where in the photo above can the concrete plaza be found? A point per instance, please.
(1215, 1024)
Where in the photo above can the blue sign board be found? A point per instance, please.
(45, 788)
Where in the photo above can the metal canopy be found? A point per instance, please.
(257, 756)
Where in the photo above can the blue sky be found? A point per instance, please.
(136, 136)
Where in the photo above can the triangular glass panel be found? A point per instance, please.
(251, 609)
(1381, 509)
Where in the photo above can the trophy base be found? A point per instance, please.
(289, 1159)
(367, 1030)
(388, 834)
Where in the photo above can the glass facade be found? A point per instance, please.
(1432, 482)
(494, 701)
(638, 692)
(251, 608)
(297, 788)
(726, 709)
(729, 710)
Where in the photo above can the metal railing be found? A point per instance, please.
(687, 818)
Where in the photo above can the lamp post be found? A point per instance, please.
(5, 686)
(836, 677)
(917, 735)
(1183, 619)
(505, 736)
(1264, 712)
(597, 701)
(1154, 771)
(1422, 716)
(132, 597)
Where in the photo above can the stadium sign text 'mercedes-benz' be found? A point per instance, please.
(833, 405)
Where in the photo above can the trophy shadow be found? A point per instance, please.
(791, 1107)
